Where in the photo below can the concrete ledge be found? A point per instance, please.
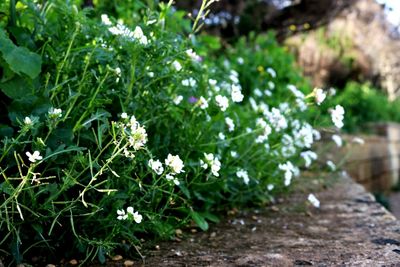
(350, 229)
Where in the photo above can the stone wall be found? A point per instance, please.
(375, 164)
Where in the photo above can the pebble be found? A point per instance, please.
(274, 208)
(128, 263)
(73, 262)
(157, 247)
(178, 232)
(213, 234)
(50, 265)
(117, 258)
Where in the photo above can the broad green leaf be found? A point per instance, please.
(20, 59)
(16, 88)
(199, 220)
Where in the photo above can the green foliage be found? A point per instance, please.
(118, 131)
(365, 104)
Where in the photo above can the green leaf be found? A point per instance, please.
(6, 130)
(20, 59)
(185, 191)
(16, 88)
(199, 220)
(211, 217)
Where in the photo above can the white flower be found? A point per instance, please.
(215, 167)
(267, 92)
(129, 212)
(230, 123)
(271, 85)
(304, 136)
(203, 103)
(55, 113)
(178, 99)
(105, 20)
(213, 162)
(172, 178)
(137, 135)
(316, 134)
(118, 73)
(270, 187)
(308, 157)
(124, 115)
(337, 139)
(331, 165)
(244, 175)
(222, 102)
(337, 115)
(138, 34)
(234, 76)
(277, 119)
(290, 171)
(175, 163)
(203, 164)
(313, 200)
(271, 72)
(34, 157)
(266, 130)
(122, 215)
(320, 95)
(358, 140)
(240, 60)
(253, 104)
(301, 104)
(234, 154)
(189, 82)
(221, 136)
(177, 65)
(212, 82)
(137, 217)
(236, 94)
(28, 121)
(257, 92)
(156, 166)
(295, 91)
(138, 138)
(332, 91)
(193, 55)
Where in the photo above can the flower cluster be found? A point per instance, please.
(136, 134)
(122, 30)
(173, 164)
(290, 171)
(337, 115)
(211, 161)
(244, 175)
(129, 214)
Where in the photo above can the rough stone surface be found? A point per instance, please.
(350, 229)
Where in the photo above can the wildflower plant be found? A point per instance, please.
(121, 128)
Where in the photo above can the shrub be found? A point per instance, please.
(116, 132)
(365, 104)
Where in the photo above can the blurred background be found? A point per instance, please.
(335, 41)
